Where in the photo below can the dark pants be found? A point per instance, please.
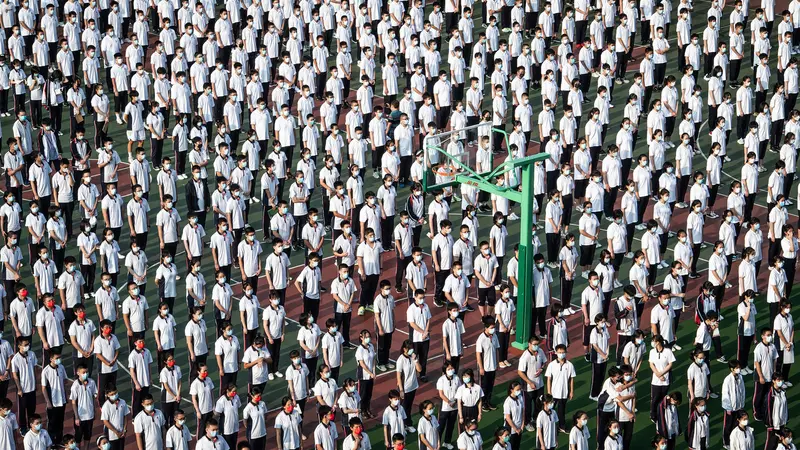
(422, 349)
(55, 423)
(657, 393)
(408, 403)
(447, 421)
(369, 285)
(343, 322)
(759, 399)
(384, 348)
(487, 384)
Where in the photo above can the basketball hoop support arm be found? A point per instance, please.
(525, 198)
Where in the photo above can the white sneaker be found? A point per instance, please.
(677, 347)
(255, 200)
(788, 383)
(585, 274)
(629, 255)
(740, 141)
(270, 377)
(789, 202)
(411, 430)
(279, 374)
(375, 174)
(119, 121)
(513, 216)
(617, 284)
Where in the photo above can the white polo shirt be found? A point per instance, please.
(229, 409)
(277, 265)
(660, 360)
(178, 438)
(229, 350)
(108, 347)
(274, 319)
(193, 236)
(560, 376)
(135, 308)
(371, 257)
(140, 362)
(452, 331)
(197, 331)
(332, 346)
(259, 372)
(136, 264)
(325, 436)
(53, 324)
(23, 313)
(420, 316)
(222, 244)
(255, 414)
(53, 379)
(249, 254)
(24, 366)
(115, 413)
(203, 390)
(83, 333)
(84, 394)
(166, 330)
(150, 428)
(138, 211)
(168, 222)
(487, 346)
(289, 424)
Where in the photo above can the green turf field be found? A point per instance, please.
(277, 388)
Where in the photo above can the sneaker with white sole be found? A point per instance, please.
(270, 377)
(585, 274)
(361, 310)
(411, 430)
(279, 374)
(513, 216)
(617, 284)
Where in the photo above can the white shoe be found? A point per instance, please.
(788, 383)
(789, 202)
(617, 284)
(270, 377)
(629, 255)
(513, 216)
(255, 200)
(375, 174)
(713, 395)
(585, 274)
(727, 158)
(677, 347)
(411, 430)
(119, 121)
(740, 141)
(681, 205)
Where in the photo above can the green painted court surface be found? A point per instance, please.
(277, 388)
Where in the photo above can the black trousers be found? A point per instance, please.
(55, 423)
(274, 350)
(487, 384)
(365, 392)
(657, 393)
(598, 375)
(408, 403)
(343, 322)
(533, 405)
(759, 399)
(384, 348)
(447, 421)
(422, 349)
(743, 350)
(369, 285)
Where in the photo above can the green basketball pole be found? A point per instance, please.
(524, 197)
